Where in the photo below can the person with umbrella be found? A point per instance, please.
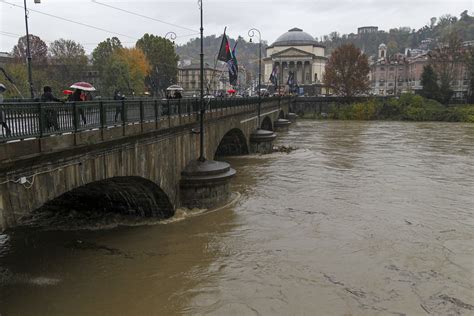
(2, 112)
(77, 96)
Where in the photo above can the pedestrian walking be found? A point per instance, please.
(118, 105)
(78, 96)
(51, 114)
(3, 118)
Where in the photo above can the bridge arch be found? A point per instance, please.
(129, 195)
(234, 143)
(267, 124)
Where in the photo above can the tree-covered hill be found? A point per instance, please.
(397, 39)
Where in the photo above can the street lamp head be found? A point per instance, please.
(37, 1)
(172, 36)
(252, 32)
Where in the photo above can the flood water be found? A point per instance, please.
(365, 218)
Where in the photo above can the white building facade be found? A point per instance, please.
(299, 53)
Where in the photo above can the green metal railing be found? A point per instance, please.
(23, 120)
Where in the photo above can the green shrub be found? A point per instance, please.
(407, 107)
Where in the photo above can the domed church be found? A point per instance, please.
(297, 53)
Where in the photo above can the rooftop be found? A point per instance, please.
(295, 37)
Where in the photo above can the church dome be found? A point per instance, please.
(295, 37)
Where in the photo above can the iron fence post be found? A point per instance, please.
(124, 113)
(156, 113)
(103, 119)
(142, 119)
(75, 123)
(40, 119)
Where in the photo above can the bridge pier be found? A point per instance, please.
(282, 125)
(205, 184)
(292, 117)
(261, 141)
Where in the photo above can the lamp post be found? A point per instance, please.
(28, 52)
(251, 34)
(212, 175)
(201, 75)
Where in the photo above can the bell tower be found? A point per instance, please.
(382, 51)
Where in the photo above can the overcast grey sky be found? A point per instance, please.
(317, 17)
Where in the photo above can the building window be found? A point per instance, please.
(382, 68)
(391, 69)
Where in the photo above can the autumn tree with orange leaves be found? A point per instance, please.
(138, 67)
(347, 70)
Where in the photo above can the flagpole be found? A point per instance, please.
(251, 34)
(203, 109)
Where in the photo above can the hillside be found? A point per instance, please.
(397, 39)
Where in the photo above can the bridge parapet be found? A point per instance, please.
(36, 128)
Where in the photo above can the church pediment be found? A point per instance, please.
(292, 52)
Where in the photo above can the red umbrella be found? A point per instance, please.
(231, 91)
(67, 92)
(83, 86)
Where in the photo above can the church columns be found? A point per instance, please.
(307, 73)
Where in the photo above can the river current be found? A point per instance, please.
(364, 218)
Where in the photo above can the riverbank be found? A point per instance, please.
(408, 107)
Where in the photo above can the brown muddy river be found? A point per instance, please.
(365, 218)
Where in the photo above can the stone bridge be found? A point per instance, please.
(124, 155)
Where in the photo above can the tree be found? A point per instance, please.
(392, 48)
(469, 62)
(429, 81)
(103, 52)
(163, 59)
(347, 71)
(68, 60)
(38, 49)
(446, 60)
(115, 76)
(138, 68)
(102, 59)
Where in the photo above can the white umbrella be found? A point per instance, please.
(174, 88)
(85, 86)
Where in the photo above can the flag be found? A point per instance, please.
(274, 76)
(224, 52)
(233, 67)
(228, 56)
(291, 79)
